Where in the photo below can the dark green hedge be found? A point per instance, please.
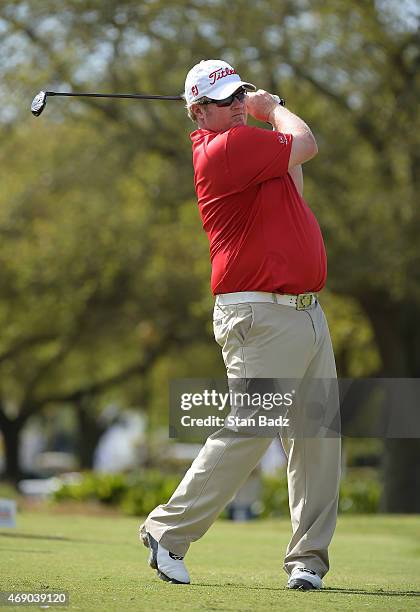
(360, 492)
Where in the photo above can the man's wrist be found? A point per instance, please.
(275, 115)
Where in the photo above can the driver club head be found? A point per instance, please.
(38, 103)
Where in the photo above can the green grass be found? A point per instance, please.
(237, 566)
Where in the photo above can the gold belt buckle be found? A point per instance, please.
(304, 301)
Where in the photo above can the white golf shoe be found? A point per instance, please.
(169, 567)
(304, 579)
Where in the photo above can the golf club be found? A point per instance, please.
(40, 100)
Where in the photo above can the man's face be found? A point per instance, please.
(220, 118)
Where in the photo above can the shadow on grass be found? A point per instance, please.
(325, 591)
(380, 592)
(33, 536)
(24, 550)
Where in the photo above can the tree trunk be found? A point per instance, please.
(401, 468)
(395, 334)
(11, 432)
(89, 433)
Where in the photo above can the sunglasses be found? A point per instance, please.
(239, 94)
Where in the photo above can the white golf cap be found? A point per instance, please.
(214, 79)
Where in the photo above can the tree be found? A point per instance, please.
(88, 282)
(350, 69)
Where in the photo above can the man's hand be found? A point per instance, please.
(260, 104)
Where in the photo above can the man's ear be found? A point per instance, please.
(199, 111)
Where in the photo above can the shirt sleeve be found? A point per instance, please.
(255, 155)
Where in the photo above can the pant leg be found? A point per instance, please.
(258, 341)
(223, 464)
(313, 470)
(221, 468)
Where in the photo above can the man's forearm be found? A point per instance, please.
(304, 145)
(287, 122)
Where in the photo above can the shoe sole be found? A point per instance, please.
(300, 584)
(144, 537)
(150, 543)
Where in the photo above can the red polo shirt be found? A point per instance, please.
(263, 236)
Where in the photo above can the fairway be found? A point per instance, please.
(236, 566)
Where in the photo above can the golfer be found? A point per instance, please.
(268, 264)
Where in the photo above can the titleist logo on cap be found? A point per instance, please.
(213, 78)
(219, 74)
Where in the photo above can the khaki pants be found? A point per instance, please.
(263, 340)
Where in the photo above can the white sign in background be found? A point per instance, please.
(7, 513)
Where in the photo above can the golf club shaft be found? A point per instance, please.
(100, 95)
(40, 100)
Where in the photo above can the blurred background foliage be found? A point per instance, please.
(139, 494)
(104, 272)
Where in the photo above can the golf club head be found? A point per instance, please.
(38, 103)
